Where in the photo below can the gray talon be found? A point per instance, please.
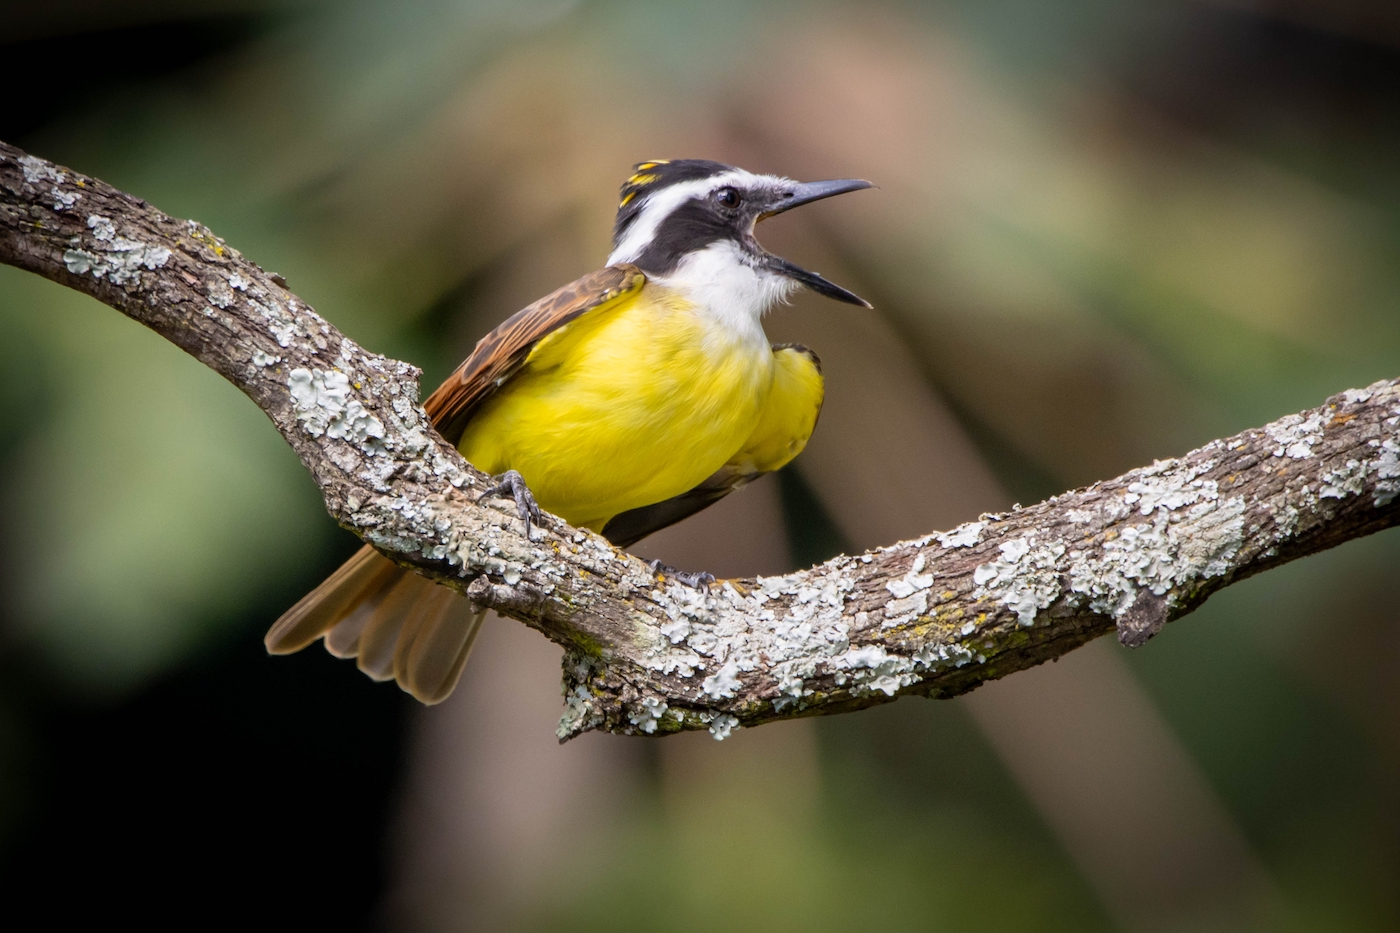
(510, 483)
(698, 579)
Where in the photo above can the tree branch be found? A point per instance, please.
(935, 616)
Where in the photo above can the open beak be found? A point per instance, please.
(806, 193)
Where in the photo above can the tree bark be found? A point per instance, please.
(934, 616)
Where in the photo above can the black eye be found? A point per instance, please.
(729, 197)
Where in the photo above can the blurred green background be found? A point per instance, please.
(1106, 232)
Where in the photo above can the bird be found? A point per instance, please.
(623, 402)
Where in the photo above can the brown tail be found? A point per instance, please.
(396, 623)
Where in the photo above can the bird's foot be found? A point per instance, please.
(699, 580)
(511, 484)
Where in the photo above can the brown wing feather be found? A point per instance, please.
(502, 352)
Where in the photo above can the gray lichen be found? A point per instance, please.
(123, 259)
(37, 171)
(1347, 480)
(1169, 551)
(722, 725)
(1025, 578)
(1387, 472)
(1296, 434)
(965, 535)
(323, 405)
(648, 714)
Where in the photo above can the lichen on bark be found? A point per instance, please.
(935, 616)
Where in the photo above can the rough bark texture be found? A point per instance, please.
(935, 616)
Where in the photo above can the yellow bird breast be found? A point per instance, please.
(626, 406)
(789, 415)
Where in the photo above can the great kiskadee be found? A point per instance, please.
(623, 402)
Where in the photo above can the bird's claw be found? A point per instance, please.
(698, 580)
(512, 484)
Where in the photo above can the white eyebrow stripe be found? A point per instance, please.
(657, 207)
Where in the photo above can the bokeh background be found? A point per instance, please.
(1107, 231)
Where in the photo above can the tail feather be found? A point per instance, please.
(427, 612)
(430, 666)
(396, 623)
(343, 639)
(324, 606)
(386, 624)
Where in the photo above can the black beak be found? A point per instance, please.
(806, 193)
(815, 282)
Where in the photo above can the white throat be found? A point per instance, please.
(720, 281)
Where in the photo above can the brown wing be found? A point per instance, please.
(502, 352)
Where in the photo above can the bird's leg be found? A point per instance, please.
(695, 579)
(512, 484)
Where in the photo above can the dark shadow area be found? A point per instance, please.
(77, 69)
(1319, 101)
(256, 787)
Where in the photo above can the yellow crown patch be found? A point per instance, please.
(641, 177)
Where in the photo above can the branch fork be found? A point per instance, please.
(934, 616)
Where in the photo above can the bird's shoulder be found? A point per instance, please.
(501, 353)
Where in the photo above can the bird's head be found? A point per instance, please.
(692, 218)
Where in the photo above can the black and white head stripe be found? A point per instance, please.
(694, 218)
(668, 209)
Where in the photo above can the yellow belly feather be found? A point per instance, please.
(624, 407)
(789, 414)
